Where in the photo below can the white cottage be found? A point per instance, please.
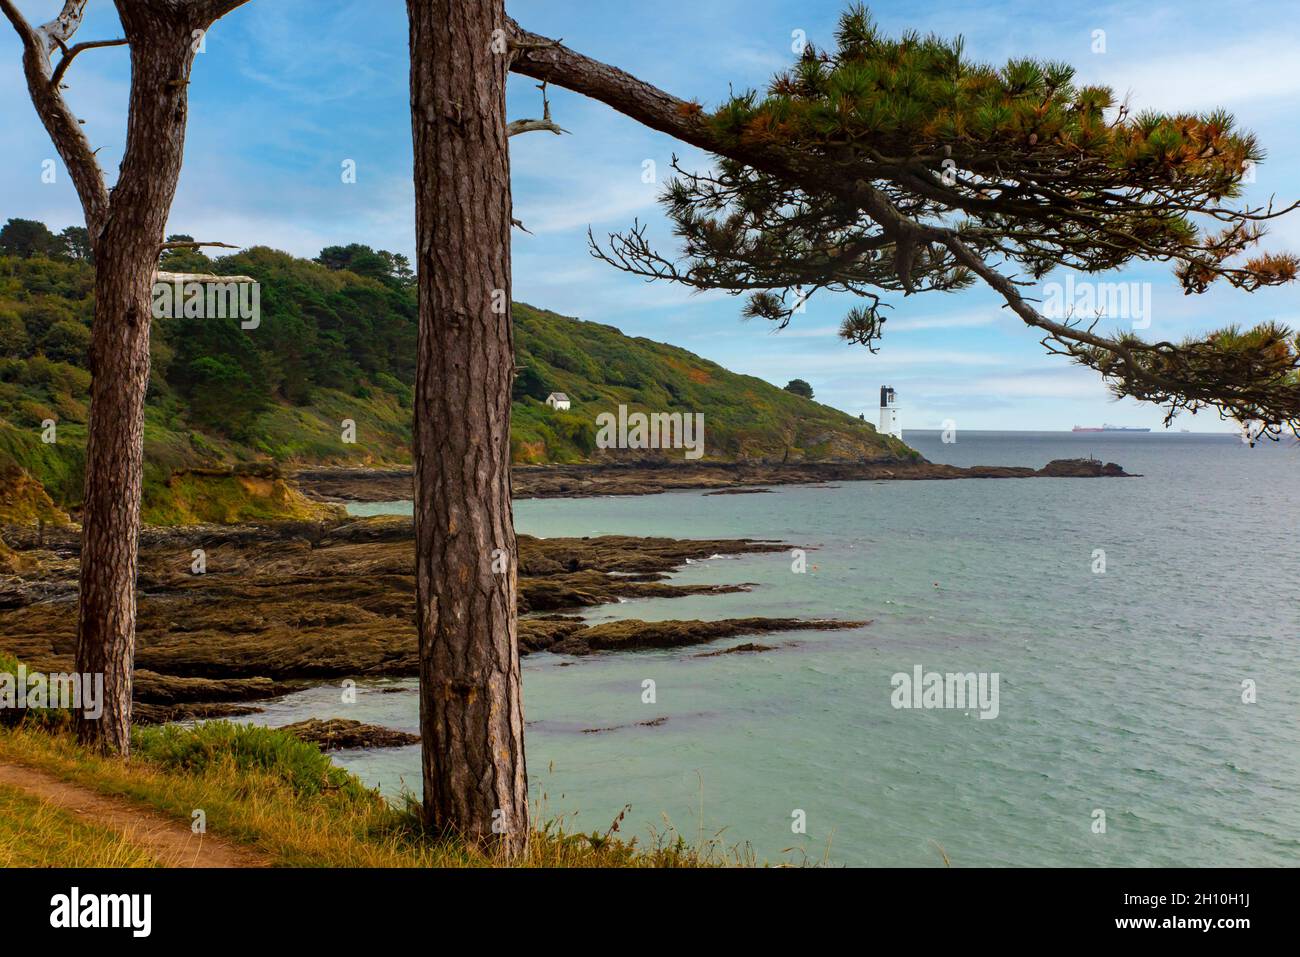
(558, 401)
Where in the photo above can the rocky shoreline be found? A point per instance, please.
(655, 476)
(287, 605)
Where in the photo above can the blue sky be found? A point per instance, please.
(287, 90)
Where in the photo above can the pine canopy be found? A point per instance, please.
(899, 166)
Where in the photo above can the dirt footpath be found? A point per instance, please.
(168, 841)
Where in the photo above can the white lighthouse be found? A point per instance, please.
(889, 413)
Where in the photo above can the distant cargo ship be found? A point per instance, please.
(1107, 428)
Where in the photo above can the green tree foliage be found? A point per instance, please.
(67, 341)
(333, 344)
(221, 394)
(321, 333)
(897, 165)
(26, 238)
(184, 260)
(600, 369)
(13, 334)
(75, 243)
(799, 387)
(393, 269)
(529, 384)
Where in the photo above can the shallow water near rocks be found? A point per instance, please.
(1118, 692)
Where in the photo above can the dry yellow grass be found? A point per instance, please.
(34, 834)
(345, 827)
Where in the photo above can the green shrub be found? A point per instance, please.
(246, 747)
(13, 333)
(33, 414)
(67, 341)
(48, 719)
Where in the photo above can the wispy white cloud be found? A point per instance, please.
(614, 199)
(858, 358)
(1257, 70)
(963, 320)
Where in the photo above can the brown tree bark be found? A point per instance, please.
(551, 61)
(126, 230)
(111, 516)
(126, 257)
(471, 705)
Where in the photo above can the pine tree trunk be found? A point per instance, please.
(126, 258)
(111, 517)
(471, 708)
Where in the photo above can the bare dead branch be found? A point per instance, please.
(66, 62)
(58, 119)
(191, 244)
(59, 30)
(188, 277)
(516, 127)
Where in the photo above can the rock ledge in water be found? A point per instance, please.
(338, 734)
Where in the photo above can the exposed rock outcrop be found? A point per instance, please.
(629, 635)
(748, 647)
(142, 713)
(283, 605)
(24, 501)
(337, 734)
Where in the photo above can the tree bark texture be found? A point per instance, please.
(126, 257)
(471, 706)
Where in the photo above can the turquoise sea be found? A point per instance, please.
(1119, 692)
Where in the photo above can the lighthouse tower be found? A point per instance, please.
(889, 413)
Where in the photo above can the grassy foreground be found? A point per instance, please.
(279, 797)
(33, 834)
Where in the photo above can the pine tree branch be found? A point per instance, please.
(191, 244)
(60, 122)
(71, 53)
